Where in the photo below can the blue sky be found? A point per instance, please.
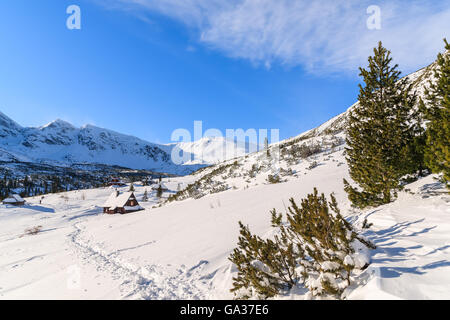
(148, 67)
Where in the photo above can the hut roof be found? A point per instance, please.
(119, 201)
(15, 198)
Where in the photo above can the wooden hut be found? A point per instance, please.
(14, 200)
(121, 203)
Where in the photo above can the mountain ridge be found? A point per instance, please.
(61, 143)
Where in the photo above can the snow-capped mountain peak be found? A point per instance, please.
(58, 123)
(210, 150)
(60, 142)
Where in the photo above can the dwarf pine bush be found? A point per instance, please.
(273, 178)
(314, 247)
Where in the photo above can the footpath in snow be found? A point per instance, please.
(180, 250)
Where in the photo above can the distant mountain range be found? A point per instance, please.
(60, 143)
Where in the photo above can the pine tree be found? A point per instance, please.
(437, 112)
(326, 238)
(315, 247)
(159, 191)
(131, 188)
(145, 196)
(381, 133)
(265, 267)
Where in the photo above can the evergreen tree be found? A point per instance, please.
(159, 191)
(315, 248)
(437, 112)
(131, 188)
(382, 143)
(265, 267)
(145, 196)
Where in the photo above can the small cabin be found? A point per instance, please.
(116, 182)
(14, 200)
(121, 203)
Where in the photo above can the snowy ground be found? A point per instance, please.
(180, 250)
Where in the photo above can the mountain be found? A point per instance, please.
(297, 155)
(211, 150)
(61, 143)
(8, 127)
(419, 81)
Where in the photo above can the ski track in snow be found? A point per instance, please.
(152, 282)
(179, 251)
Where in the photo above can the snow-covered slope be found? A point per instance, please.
(180, 250)
(211, 150)
(419, 80)
(8, 127)
(412, 260)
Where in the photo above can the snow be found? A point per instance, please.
(158, 186)
(413, 256)
(211, 150)
(117, 201)
(348, 260)
(180, 250)
(134, 208)
(60, 143)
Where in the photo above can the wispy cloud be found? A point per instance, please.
(322, 36)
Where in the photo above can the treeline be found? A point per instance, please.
(35, 185)
(41, 184)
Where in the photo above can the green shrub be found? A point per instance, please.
(315, 247)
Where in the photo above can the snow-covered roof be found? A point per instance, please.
(14, 199)
(163, 186)
(117, 201)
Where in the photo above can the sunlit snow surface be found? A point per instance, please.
(180, 250)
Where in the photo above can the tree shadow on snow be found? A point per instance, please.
(87, 213)
(397, 230)
(386, 239)
(394, 272)
(40, 208)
